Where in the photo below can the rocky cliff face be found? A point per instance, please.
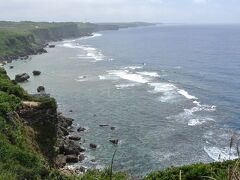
(44, 122)
(44, 35)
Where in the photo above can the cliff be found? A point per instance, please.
(15, 44)
(56, 32)
(18, 40)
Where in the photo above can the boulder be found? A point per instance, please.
(11, 67)
(113, 128)
(36, 73)
(63, 131)
(41, 51)
(69, 147)
(41, 89)
(81, 169)
(22, 77)
(60, 161)
(114, 141)
(103, 125)
(74, 137)
(64, 122)
(93, 146)
(81, 129)
(81, 157)
(71, 159)
(51, 46)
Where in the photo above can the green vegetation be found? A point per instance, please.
(219, 171)
(18, 158)
(14, 42)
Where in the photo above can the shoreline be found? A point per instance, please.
(69, 146)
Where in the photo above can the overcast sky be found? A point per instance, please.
(168, 11)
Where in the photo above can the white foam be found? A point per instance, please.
(108, 77)
(133, 67)
(123, 86)
(220, 154)
(162, 87)
(167, 90)
(195, 122)
(186, 94)
(94, 35)
(102, 77)
(125, 74)
(204, 107)
(70, 45)
(151, 74)
(199, 121)
(81, 78)
(90, 52)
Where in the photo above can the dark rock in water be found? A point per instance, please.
(60, 161)
(69, 147)
(36, 73)
(26, 57)
(94, 115)
(71, 159)
(93, 146)
(70, 110)
(41, 51)
(65, 122)
(81, 169)
(81, 157)
(74, 137)
(11, 67)
(113, 128)
(103, 125)
(41, 89)
(114, 141)
(81, 129)
(22, 77)
(51, 46)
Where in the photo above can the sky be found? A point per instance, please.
(166, 11)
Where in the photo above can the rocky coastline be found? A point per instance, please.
(22, 56)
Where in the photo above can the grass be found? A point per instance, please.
(20, 154)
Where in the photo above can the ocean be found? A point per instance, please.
(171, 91)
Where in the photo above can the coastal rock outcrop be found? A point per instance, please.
(36, 73)
(21, 77)
(93, 146)
(71, 159)
(74, 137)
(114, 141)
(41, 89)
(69, 147)
(51, 46)
(81, 129)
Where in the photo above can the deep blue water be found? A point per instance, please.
(171, 91)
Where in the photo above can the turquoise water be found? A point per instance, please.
(172, 92)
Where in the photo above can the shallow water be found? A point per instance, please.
(172, 92)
